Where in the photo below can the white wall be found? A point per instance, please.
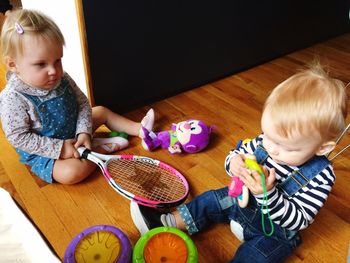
(63, 12)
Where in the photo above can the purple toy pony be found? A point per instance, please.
(190, 136)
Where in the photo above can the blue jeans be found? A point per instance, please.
(216, 206)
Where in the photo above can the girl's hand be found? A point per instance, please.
(83, 139)
(68, 150)
(253, 180)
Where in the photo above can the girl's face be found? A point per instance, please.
(292, 151)
(40, 65)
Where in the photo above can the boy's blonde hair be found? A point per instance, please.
(309, 103)
(33, 23)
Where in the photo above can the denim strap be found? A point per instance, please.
(260, 154)
(299, 177)
(34, 99)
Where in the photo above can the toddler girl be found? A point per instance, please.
(44, 115)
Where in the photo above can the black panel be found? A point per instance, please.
(143, 51)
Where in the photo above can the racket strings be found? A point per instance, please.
(146, 180)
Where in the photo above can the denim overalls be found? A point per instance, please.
(58, 117)
(216, 206)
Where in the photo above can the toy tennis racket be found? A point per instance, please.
(146, 181)
(236, 187)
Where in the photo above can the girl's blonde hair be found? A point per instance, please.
(309, 103)
(33, 23)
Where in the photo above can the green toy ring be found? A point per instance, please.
(165, 249)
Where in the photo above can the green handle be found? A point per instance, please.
(254, 166)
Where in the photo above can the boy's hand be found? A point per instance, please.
(68, 150)
(253, 180)
(237, 163)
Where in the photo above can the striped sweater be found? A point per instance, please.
(292, 212)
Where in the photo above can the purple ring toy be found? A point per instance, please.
(101, 243)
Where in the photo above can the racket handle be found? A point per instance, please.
(243, 199)
(235, 187)
(83, 152)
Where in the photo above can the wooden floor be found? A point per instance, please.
(234, 106)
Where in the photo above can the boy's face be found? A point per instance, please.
(40, 65)
(292, 151)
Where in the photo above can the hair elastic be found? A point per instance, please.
(19, 28)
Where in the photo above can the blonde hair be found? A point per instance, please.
(33, 23)
(309, 103)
